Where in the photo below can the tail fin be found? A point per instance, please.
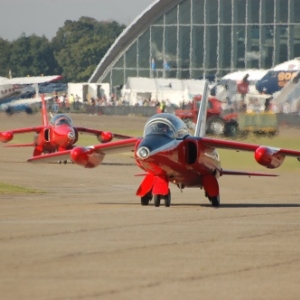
(44, 111)
(200, 128)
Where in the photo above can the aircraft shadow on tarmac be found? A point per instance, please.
(224, 205)
(257, 205)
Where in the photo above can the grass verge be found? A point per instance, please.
(14, 189)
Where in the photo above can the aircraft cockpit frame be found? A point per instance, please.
(61, 119)
(166, 124)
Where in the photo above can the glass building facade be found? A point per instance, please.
(192, 39)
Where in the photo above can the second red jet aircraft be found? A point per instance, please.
(56, 135)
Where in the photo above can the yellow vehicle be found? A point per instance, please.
(260, 123)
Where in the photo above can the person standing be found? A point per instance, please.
(243, 86)
(72, 101)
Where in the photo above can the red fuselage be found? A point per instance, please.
(56, 138)
(181, 162)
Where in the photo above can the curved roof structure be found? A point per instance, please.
(193, 39)
(137, 26)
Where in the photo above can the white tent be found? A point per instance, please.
(174, 91)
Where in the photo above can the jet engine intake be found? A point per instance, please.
(105, 137)
(269, 157)
(6, 136)
(86, 157)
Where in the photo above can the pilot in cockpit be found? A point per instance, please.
(61, 119)
(162, 128)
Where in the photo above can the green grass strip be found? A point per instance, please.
(14, 189)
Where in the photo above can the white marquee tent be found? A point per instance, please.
(172, 90)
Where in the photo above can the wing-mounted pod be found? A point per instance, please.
(86, 157)
(105, 137)
(6, 136)
(269, 157)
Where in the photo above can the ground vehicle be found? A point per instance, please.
(218, 121)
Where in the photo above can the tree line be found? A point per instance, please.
(74, 52)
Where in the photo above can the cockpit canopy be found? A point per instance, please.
(166, 124)
(61, 119)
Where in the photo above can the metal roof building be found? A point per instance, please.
(190, 39)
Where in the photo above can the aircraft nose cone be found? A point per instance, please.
(151, 144)
(143, 152)
(71, 135)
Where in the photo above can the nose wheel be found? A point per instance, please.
(167, 199)
(146, 199)
(215, 201)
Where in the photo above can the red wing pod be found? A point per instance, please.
(269, 157)
(86, 157)
(6, 136)
(105, 137)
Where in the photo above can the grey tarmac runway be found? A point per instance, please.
(86, 236)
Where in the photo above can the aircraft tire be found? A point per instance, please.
(168, 199)
(146, 199)
(9, 111)
(28, 110)
(215, 201)
(156, 200)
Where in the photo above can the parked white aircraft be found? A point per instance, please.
(13, 86)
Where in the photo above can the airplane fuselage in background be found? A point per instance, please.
(276, 78)
(274, 81)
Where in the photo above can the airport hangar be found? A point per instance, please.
(195, 39)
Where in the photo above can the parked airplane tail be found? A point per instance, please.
(200, 128)
(44, 111)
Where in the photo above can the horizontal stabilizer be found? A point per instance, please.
(20, 145)
(231, 172)
(52, 157)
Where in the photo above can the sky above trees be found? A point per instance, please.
(45, 17)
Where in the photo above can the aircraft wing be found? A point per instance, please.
(117, 147)
(30, 80)
(27, 101)
(231, 172)
(36, 129)
(99, 132)
(240, 146)
(7, 136)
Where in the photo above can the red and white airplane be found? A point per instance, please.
(57, 135)
(169, 154)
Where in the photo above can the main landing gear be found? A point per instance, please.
(157, 198)
(215, 201)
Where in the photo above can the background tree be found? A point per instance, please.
(80, 45)
(32, 56)
(74, 52)
(4, 57)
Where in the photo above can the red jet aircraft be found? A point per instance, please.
(57, 135)
(168, 153)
